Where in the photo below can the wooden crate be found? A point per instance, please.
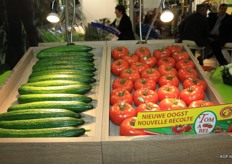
(208, 148)
(83, 149)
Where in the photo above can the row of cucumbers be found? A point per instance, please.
(51, 102)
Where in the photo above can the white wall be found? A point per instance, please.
(151, 4)
(98, 9)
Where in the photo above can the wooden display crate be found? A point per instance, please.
(207, 148)
(83, 149)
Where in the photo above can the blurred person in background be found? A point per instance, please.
(220, 29)
(195, 27)
(123, 24)
(145, 27)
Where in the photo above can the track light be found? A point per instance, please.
(53, 16)
(166, 16)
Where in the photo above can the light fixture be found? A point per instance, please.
(53, 16)
(166, 16)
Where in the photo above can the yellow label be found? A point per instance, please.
(161, 119)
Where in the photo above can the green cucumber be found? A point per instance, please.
(75, 106)
(54, 83)
(53, 97)
(78, 89)
(38, 123)
(45, 132)
(37, 113)
(80, 78)
(68, 67)
(67, 59)
(68, 48)
(63, 62)
(44, 54)
(63, 71)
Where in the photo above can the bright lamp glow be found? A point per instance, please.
(166, 16)
(53, 17)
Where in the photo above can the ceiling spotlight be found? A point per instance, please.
(53, 16)
(166, 16)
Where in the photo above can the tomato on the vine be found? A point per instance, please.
(130, 58)
(172, 104)
(118, 65)
(140, 66)
(120, 95)
(167, 70)
(118, 52)
(200, 103)
(147, 107)
(184, 63)
(127, 128)
(185, 73)
(130, 73)
(193, 93)
(160, 53)
(168, 80)
(144, 83)
(142, 52)
(167, 61)
(120, 111)
(191, 81)
(125, 83)
(143, 95)
(168, 91)
(151, 73)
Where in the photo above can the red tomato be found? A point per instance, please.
(118, 52)
(147, 107)
(167, 91)
(183, 55)
(200, 103)
(168, 80)
(118, 65)
(167, 70)
(172, 104)
(184, 63)
(140, 66)
(150, 60)
(193, 93)
(144, 83)
(174, 48)
(127, 128)
(191, 81)
(120, 111)
(178, 129)
(130, 74)
(130, 58)
(166, 60)
(142, 52)
(120, 95)
(144, 95)
(230, 128)
(185, 73)
(187, 128)
(123, 83)
(160, 53)
(151, 73)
